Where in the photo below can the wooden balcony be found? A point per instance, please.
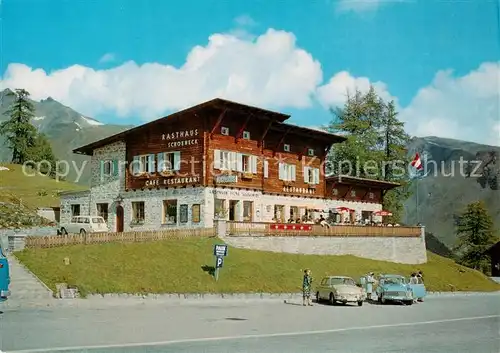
(314, 230)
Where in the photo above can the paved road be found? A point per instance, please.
(441, 324)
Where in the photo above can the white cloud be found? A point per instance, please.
(106, 58)
(334, 93)
(245, 21)
(270, 71)
(465, 107)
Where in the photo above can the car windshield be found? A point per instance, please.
(346, 281)
(97, 220)
(394, 280)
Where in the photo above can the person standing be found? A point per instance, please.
(370, 280)
(306, 288)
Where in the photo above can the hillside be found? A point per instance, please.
(443, 195)
(31, 191)
(65, 128)
(140, 268)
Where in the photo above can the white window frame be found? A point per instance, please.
(287, 172)
(246, 135)
(224, 131)
(311, 175)
(165, 216)
(170, 166)
(286, 147)
(144, 163)
(107, 164)
(266, 168)
(134, 211)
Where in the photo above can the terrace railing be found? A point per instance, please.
(298, 229)
(125, 237)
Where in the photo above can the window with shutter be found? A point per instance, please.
(161, 166)
(151, 163)
(177, 160)
(306, 175)
(266, 169)
(253, 159)
(281, 171)
(292, 172)
(116, 170)
(316, 179)
(217, 159)
(136, 165)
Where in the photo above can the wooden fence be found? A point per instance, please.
(125, 237)
(291, 229)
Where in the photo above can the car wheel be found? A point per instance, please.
(82, 232)
(64, 231)
(409, 302)
(382, 299)
(318, 299)
(332, 299)
(360, 303)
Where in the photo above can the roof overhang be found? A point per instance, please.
(319, 135)
(350, 180)
(276, 118)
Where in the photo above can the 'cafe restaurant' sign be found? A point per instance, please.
(172, 181)
(181, 138)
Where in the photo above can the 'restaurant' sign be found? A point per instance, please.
(299, 190)
(172, 181)
(181, 138)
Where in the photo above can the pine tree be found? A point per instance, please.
(393, 140)
(42, 151)
(475, 236)
(376, 141)
(19, 132)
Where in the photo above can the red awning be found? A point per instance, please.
(382, 213)
(344, 209)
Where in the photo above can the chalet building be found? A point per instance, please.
(216, 159)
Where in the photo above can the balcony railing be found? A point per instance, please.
(302, 229)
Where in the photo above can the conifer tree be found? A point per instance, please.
(375, 147)
(475, 236)
(18, 130)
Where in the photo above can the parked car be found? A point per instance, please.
(394, 288)
(83, 225)
(4, 274)
(340, 289)
(419, 290)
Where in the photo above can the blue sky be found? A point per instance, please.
(404, 47)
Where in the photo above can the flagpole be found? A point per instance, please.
(416, 198)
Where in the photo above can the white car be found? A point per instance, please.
(84, 224)
(340, 289)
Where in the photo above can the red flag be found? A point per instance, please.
(417, 162)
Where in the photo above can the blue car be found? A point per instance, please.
(394, 288)
(418, 289)
(4, 275)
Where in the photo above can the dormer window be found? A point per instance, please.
(246, 135)
(224, 131)
(310, 152)
(286, 147)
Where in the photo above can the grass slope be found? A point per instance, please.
(31, 191)
(180, 266)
